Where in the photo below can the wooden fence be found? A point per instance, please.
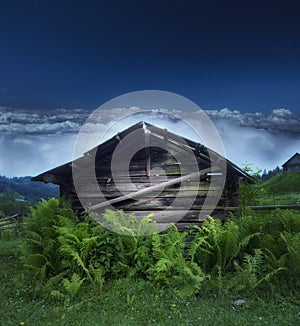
(12, 222)
(266, 207)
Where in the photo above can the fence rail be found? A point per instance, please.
(12, 222)
(266, 207)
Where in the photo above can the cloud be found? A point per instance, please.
(266, 141)
(13, 121)
(260, 147)
(31, 155)
(16, 121)
(281, 112)
(32, 141)
(279, 120)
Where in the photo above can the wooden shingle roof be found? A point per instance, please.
(290, 159)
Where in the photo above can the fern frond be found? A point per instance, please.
(72, 286)
(270, 275)
(199, 241)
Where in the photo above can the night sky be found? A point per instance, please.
(243, 55)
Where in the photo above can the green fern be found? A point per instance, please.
(246, 275)
(75, 246)
(40, 249)
(199, 241)
(127, 224)
(72, 286)
(216, 246)
(292, 243)
(98, 277)
(171, 267)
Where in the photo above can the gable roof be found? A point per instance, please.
(106, 148)
(288, 161)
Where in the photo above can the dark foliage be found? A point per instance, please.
(25, 189)
(266, 175)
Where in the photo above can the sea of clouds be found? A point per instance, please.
(32, 141)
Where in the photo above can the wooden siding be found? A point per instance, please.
(162, 204)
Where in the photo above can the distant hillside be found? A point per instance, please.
(283, 183)
(24, 188)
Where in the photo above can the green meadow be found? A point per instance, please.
(58, 271)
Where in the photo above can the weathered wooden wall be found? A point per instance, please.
(165, 167)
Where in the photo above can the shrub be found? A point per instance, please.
(245, 252)
(286, 182)
(40, 251)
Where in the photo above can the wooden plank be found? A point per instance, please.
(171, 194)
(173, 149)
(169, 216)
(150, 189)
(162, 203)
(142, 179)
(181, 142)
(140, 169)
(183, 191)
(268, 207)
(155, 208)
(5, 219)
(178, 212)
(9, 227)
(160, 134)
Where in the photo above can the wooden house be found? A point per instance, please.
(158, 177)
(292, 164)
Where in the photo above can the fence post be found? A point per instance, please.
(21, 214)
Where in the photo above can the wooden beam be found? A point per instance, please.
(148, 159)
(154, 188)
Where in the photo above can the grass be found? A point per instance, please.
(282, 189)
(285, 199)
(130, 302)
(288, 182)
